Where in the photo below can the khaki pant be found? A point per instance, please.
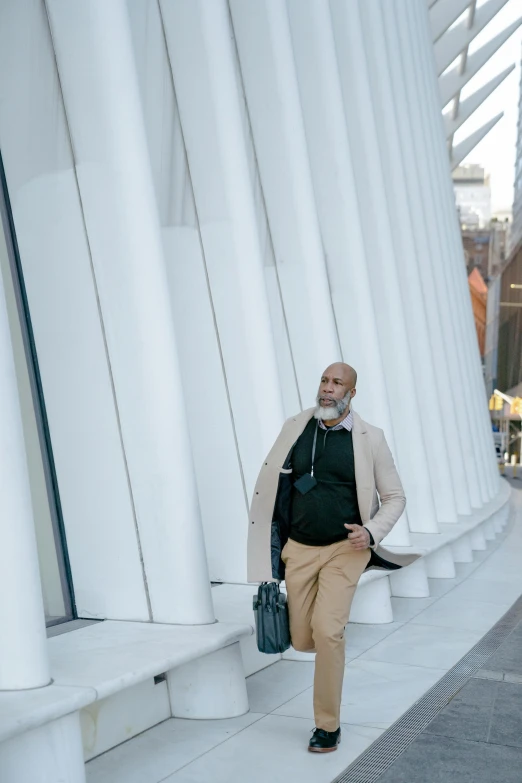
(320, 583)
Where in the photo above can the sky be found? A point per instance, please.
(497, 151)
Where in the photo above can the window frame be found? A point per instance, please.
(42, 423)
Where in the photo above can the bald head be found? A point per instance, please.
(343, 372)
(336, 390)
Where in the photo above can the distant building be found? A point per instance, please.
(487, 249)
(479, 297)
(509, 298)
(476, 244)
(509, 373)
(516, 238)
(500, 242)
(473, 196)
(492, 331)
(486, 241)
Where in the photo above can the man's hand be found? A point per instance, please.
(358, 536)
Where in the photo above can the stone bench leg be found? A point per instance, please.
(210, 687)
(411, 581)
(497, 522)
(478, 542)
(500, 519)
(372, 603)
(440, 564)
(462, 550)
(51, 753)
(489, 530)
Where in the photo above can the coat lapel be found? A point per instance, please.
(363, 466)
(290, 433)
(263, 501)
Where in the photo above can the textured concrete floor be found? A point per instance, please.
(477, 737)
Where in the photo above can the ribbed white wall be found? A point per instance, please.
(214, 199)
(262, 34)
(202, 58)
(466, 335)
(395, 184)
(90, 463)
(482, 423)
(112, 163)
(218, 467)
(285, 143)
(336, 199)
(425, 234)
(390, 310)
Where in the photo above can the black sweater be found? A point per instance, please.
(319, 516)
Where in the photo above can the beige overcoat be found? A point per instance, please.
(376, 478)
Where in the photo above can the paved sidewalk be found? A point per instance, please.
(389, 667)
(477, 737)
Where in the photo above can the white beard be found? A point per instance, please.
(326, 414)
(333, 412)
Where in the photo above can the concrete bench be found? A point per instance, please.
(200, 667)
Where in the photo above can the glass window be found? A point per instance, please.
(54, 569)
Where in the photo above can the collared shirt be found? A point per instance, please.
(346, 423)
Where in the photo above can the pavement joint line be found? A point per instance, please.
(385, 750)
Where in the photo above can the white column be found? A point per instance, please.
(97, 73)
(395, 183)
(200, 45)
(482, 423)
(425, 234)
(336, 199)
(382, 266)
(268, 74)
(23, 654)
(435, 214)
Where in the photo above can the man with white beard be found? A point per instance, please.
(316, 522)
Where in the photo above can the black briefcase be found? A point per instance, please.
(271, 615)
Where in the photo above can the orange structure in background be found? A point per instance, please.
(479, 298)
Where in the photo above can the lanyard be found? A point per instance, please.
(315, 444)
(313, 447)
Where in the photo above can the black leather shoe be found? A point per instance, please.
(324, 741)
